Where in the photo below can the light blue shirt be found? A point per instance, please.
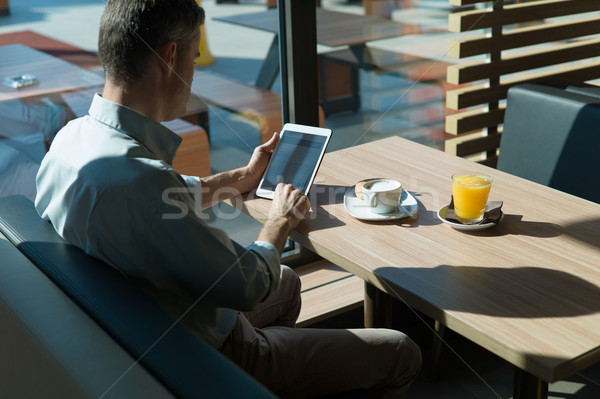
(108, 187)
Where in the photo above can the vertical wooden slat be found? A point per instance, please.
(493, 80)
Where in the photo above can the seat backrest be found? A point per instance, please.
(52, 349)
(178, 358)
(551, 136)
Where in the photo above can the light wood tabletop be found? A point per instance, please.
(54, 75)
(527, 289)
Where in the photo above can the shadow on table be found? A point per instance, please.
(586, 231)
(424, 217)
(521, 292)
(327, 194)
(512, 224)
(319, 196)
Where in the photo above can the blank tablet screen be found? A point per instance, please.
(295, 160)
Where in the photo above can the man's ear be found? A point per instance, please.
(167, 53)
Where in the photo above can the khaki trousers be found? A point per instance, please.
(308, 362)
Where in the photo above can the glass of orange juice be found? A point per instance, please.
(470, 192)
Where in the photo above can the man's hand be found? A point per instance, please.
(289, 204)
(287, 210)
(260, 159)
(240, 180)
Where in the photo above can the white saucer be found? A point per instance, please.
(407, 207)
(466, 227)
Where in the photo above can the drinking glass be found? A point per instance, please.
(470, 191)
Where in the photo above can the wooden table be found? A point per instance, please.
(333, 29)
(526, 290)
(64, 70)
(60, 59)
(66, 52)
(54, 75)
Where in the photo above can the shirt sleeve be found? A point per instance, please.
(188, 254)
(191, 181)
(267, 251)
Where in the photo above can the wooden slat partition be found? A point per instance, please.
(517, 13)
(462, 73)
(564, 36)
(476, 145)
(476, 95)
(522, 37)
(469, 121)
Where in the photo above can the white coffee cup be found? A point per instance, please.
(382, 195)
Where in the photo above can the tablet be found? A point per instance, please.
(296, 158)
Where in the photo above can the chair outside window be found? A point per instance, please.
(552, 136)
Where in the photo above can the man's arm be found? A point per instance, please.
(224, 185)
(185, 251)
(289, 204)
(287, 210)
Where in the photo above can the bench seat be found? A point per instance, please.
(252, 102)
(52, 348)
(408, 66)
(193, 155)
(4, 7)
(177, 358)
(327, 291)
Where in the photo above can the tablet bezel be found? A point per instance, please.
(318, 131)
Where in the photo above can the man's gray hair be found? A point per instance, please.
(132, 30)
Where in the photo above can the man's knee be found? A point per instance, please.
(395, 361)
(290, 279)
(413, 355)
(409, 362)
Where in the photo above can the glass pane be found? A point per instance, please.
(381, 64)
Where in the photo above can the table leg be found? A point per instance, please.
(436, 350)
(355, 89)
(378, 308)
(528, 386)
(270, 67)
(365, 61)
(363, 57)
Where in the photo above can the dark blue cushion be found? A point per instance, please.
(551, 135)
(182, 361)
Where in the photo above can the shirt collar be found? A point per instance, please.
(158, 139)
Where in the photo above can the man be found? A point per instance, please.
(107, 186)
